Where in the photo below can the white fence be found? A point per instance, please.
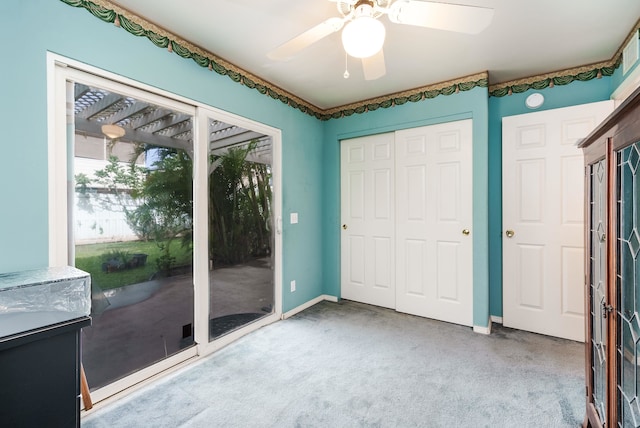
(98, 218)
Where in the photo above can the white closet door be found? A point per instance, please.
(367, 217)
(434, 212)
(543, 215)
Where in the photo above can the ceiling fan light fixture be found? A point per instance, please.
(113, 131)
(363, 37)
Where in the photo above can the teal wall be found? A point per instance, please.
(31, 28)
(472, 104)
(310, 154)
(618, 77)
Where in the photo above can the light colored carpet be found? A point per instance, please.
(352, 365)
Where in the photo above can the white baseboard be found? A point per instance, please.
(482, 330)
(495, 319)
(308, 304)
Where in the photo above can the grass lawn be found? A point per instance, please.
(90, 257)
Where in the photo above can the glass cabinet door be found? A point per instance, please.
(598, 285)
(613, 268)
(627, 278)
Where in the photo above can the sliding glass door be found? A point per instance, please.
(173, 208)
(241, 227)
(132, 229)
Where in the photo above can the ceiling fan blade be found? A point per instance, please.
(309, 37)
(373, 66)
(441, 16)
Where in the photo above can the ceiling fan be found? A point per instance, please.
(363, 35)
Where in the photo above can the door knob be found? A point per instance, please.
(465, 232)
(344, 226)
(606, 309)
(509, 233)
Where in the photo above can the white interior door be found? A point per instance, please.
(543, 214)
(367, 215)
(434, 212)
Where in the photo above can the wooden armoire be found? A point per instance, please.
(612, 273)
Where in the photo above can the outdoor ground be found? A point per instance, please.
(137, 325)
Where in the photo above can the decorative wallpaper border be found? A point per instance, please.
(564, 77)
(138, 26)
(414, 95)
(549, 80)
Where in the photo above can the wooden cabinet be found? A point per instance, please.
(612, 250)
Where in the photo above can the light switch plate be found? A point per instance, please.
(294, 218)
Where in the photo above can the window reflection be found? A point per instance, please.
(240, 227)
(133, 230)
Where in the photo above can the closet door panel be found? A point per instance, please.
(367, 219)
(434, 208)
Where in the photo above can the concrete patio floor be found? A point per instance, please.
(140, 324)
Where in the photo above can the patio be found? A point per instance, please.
(137, 325)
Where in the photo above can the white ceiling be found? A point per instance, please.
(525, 38)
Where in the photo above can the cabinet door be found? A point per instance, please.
(613, 275)
(597, 289)
(627, 260)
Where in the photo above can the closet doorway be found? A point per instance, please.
(406, 215)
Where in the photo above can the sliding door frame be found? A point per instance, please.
(60, 71)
